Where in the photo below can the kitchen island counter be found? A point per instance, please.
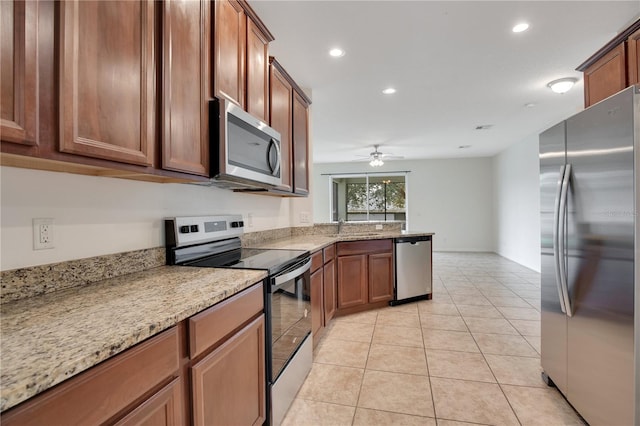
(49, 338)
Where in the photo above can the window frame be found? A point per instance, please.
(332, 198)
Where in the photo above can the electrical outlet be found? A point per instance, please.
(250, 220)
(43, 234)
(304, 217)
(378, 226)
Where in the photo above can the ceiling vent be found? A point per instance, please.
(484, 126)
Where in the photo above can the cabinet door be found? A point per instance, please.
(18, 71)
(257, 72)
(300, 144)
(107, 80)
(606, 76)
(352, 280)
(228, 385)
(380, 277)
(281, 110)
(329, 289)
(229, 50)
(101, 393)
(317, 309)
(162, 409)
(633, 49)
(185, 111)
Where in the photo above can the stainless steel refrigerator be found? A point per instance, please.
(589, 211)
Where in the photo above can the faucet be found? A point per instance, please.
(340, 223)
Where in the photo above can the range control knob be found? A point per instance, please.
(184, 229)
(194, 228)
(241, 224)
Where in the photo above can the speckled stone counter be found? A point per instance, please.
(314, 242)
(49, 338)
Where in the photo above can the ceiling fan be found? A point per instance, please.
(376, 157)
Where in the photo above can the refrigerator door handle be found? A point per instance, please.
(556, 238)
(561, 239)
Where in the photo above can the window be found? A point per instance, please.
(368, 197)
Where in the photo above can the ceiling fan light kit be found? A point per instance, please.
(376, 162)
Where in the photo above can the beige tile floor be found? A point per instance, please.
(469, 356)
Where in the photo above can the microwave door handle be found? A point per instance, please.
(275, 169)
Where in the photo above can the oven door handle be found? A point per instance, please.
(281, 279)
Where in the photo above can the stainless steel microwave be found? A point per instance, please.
(245, 151)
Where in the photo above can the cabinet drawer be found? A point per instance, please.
(329, 253)
(209, 326)
(316, 260)
(364, 247)
(100, 393)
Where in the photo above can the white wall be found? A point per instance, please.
(517, 203)
(97, 215)
(452, 197)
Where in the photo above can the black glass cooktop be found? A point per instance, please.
(271, 260)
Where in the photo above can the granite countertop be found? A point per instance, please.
(316, 242)
(50, 338)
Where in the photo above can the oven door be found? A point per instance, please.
(290, 315)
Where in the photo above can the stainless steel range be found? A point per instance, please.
(214, 242)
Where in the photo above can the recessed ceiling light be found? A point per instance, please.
(530, 104)
(523, 26)
(389, 91)
(562, 85)
(336, 52)
(484, 126)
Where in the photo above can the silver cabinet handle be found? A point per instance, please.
(562, 234)
(556, 239)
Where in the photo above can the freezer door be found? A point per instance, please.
(553, 319)
(600, 253)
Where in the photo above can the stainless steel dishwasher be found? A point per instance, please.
(413, 269)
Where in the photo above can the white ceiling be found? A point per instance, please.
(455, 65)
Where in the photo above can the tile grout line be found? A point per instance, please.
(492, 372)
(364, 372)
(426, 360)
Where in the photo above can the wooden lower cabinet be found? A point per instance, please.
(380, 277)
(162, 409)
(228, 385)
(107, 391)
(329, 290)
(317, 308)
(352, 281)
(365, 275)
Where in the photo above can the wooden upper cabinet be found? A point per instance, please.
(18, 71)
(229, 50)
(633, 58)
(186, 89)
(257, 72)
(614, 67)
(107, 80)
(281, 110)
(605, 77)
(300, 143)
